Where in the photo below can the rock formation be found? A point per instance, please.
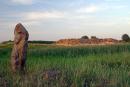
(68, 42)
(92, 41)
(19, 51)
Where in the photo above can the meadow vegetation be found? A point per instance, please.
(76, 66)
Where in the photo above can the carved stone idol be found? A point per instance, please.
(19, 51)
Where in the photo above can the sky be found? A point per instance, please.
(58, 19)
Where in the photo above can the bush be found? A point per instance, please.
(84, 37)
(125, 37)
(93, 37)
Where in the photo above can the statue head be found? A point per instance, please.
(20, 33)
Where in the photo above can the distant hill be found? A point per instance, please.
(33, 42)
(42, 42)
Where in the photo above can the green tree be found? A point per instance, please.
(125, 37)
(84, 37)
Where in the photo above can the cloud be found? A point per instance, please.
(128, 20)
(100, 8)
(89, 9)
(43, 15)
(112, 0)
(22, 1)
(116, 7)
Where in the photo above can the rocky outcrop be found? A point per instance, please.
(92, 41)
(68, 42)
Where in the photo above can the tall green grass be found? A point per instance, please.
(97, 66)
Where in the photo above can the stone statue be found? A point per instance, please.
(19, 51)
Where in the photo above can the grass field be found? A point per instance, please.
(77, 66)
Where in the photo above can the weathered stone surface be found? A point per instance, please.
(19, 51)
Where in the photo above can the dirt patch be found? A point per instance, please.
(51, 74)
(55, 78)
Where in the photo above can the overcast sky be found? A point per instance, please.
(56, 19)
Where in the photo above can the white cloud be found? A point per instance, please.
(114, 7)
(43, 15)
(113, 0)
(99, 8)
(22, 1)
(89, 9)
(128, 20)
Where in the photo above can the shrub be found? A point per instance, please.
(84, 37)
(125, 37)
(93, 37)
